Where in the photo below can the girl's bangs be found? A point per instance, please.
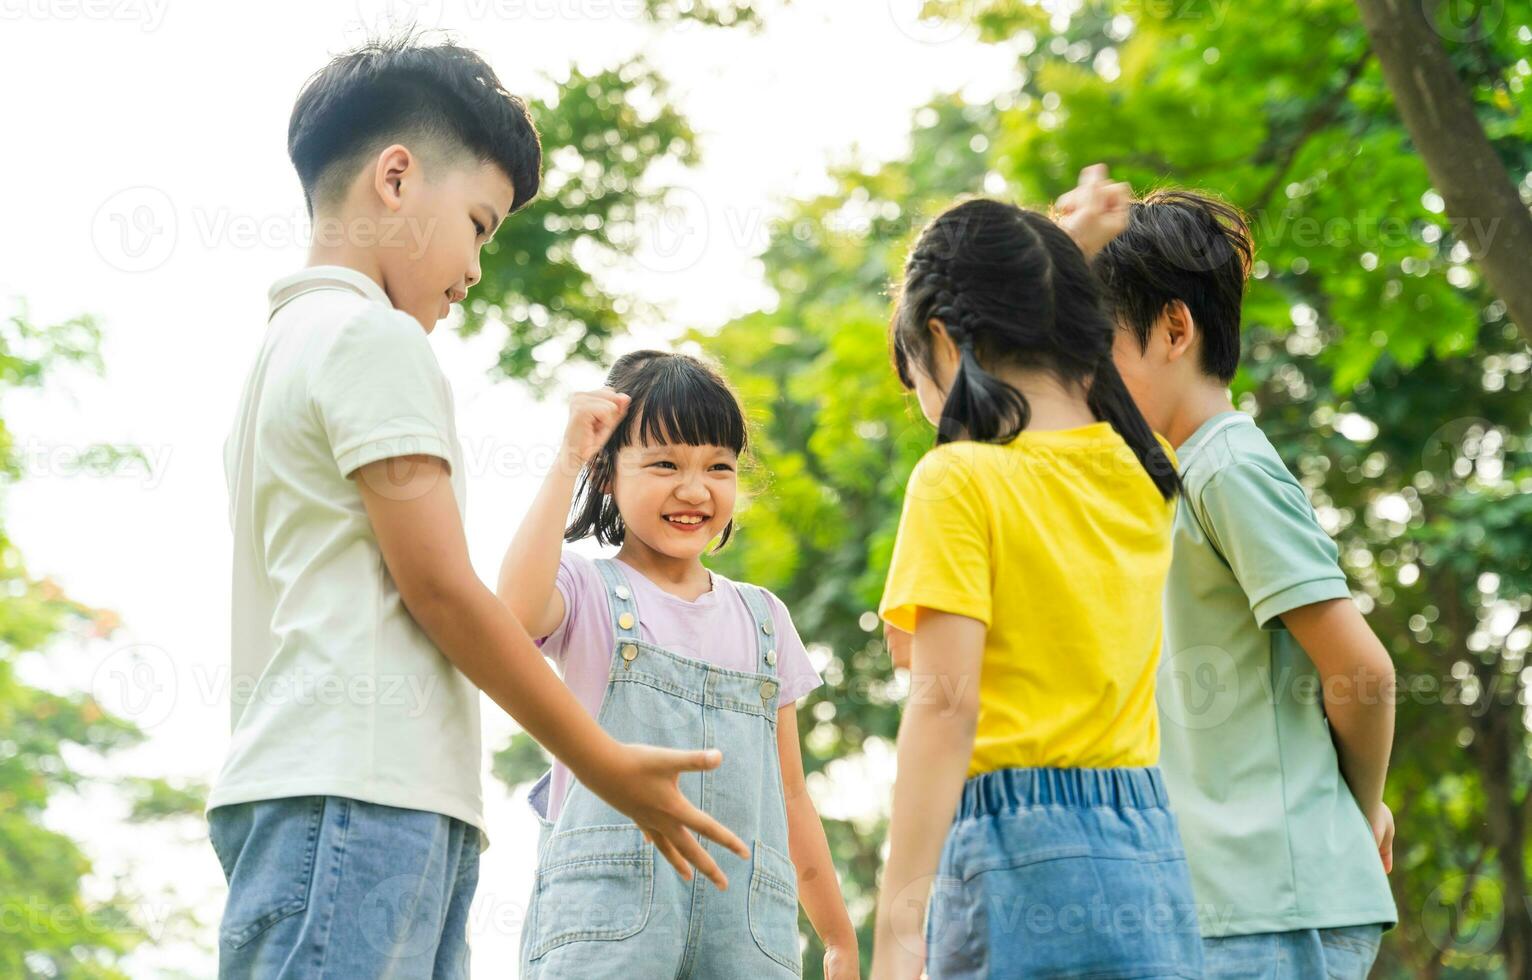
(686, 408)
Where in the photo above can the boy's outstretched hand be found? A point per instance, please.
(1096, 211)
(644, 784)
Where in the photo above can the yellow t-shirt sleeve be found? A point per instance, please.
(942, 554)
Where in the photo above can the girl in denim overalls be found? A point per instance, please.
(665, 652)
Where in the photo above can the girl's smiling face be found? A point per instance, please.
(668, 473)
(675, 498)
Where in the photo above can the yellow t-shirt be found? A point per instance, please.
(1059, 543)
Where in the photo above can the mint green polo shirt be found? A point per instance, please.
(1274, 838)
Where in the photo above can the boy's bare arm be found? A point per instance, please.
(818, 886)
(415, 517)
(1357, 679)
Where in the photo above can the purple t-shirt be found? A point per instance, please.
(583, 644)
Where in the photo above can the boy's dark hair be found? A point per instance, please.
(1181, 245)
(675, 398)
(397, 89)
(1012, 288)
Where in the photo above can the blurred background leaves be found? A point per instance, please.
(1390, 378)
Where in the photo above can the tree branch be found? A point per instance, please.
(1318, 118)
(1436, 109)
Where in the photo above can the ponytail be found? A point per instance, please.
(1110, 401)
(979, 405)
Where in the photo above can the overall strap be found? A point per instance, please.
(619, 599)
(285, 296)
(765, 631)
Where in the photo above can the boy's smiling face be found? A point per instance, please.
(674, 498)
(437, 214)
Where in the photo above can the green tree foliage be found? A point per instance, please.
(601, 134)
(48, 925)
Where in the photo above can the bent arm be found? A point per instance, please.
(1357, 678)
(531, 564)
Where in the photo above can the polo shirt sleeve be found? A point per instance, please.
(942, 554)
(379, 392)
(1262, 523)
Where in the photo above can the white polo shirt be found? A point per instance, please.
(335, 689)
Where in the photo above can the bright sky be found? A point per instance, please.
(150, 187)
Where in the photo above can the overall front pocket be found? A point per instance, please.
(594, 883)
(774, 906)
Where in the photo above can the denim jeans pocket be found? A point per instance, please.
(267, 851)
(594, 883)
(1350, 951)
(954, 930)
(226, 856)
(773, 909)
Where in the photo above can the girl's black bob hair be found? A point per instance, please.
(675, 398)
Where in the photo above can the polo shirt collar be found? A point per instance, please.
(1207, 430)
(315, 274)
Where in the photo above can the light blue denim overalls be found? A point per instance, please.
(604, 903)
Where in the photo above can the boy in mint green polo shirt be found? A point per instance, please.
(1276, 699)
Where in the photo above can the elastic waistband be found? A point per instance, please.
(1011, 789)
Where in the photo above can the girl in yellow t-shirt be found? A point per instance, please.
(1029, 566)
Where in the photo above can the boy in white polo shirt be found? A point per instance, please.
(348, 816)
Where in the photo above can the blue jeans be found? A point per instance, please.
(1304, 954)
(1063, 873)
(325, 886)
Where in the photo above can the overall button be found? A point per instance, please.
(623, 593)
(768, 690)
(625, 621)
(771, 658)
(629, 651)
(766, 628)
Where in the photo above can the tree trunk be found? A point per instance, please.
(1500, 736)
(1483, 203)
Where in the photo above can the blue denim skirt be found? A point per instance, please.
(1063, 873)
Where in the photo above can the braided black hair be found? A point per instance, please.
(1011, 288)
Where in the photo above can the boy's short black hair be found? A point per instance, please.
(1181, 245)
(397, 89)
